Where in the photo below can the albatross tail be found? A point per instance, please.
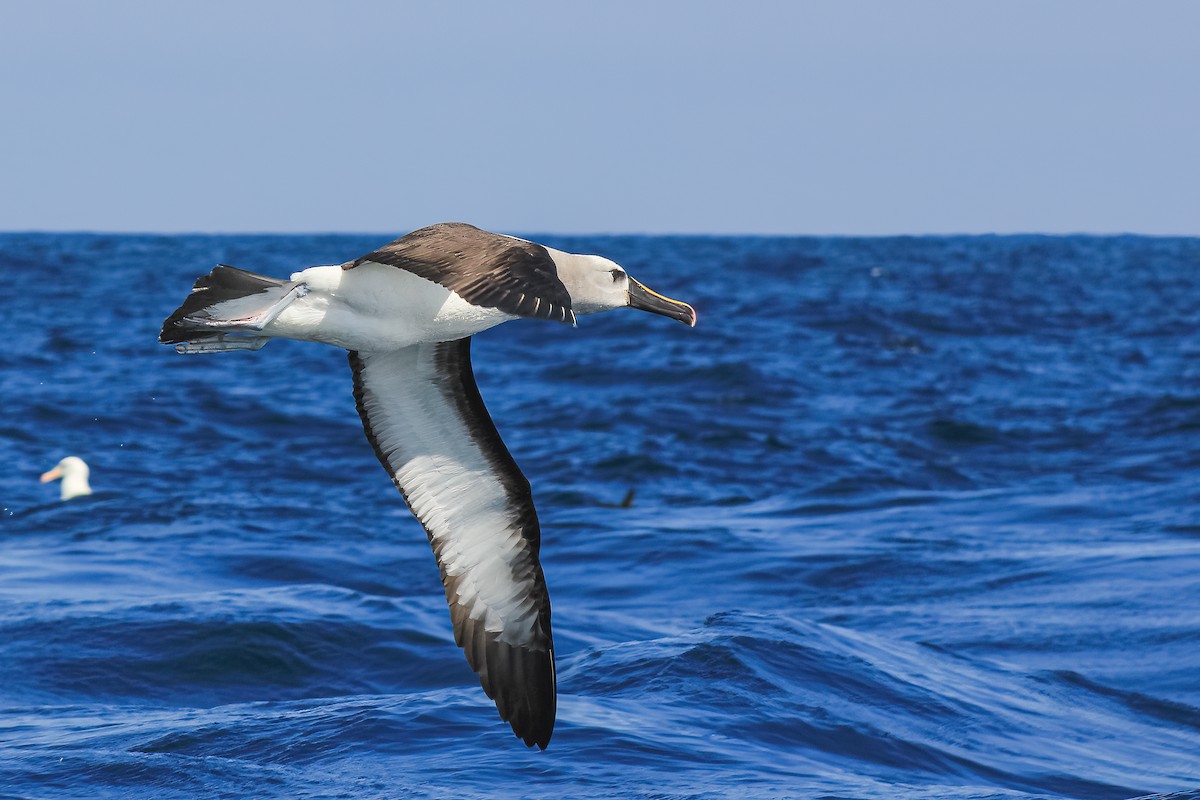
(227, 310)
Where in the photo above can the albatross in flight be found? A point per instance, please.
(407, 312)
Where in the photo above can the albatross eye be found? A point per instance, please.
(617, 274)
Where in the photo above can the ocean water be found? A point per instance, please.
(913, 518)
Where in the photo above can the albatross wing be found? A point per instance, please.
(485, 269)
(422, 412)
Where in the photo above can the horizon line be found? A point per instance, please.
(676, 234)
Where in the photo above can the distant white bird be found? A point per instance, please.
(406, 313)
(74, 474)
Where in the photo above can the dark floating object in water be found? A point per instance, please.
(626, 502)
(406, 313)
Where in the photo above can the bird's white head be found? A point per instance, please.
(600, 284)
(74, 473)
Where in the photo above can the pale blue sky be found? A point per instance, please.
(867, 117)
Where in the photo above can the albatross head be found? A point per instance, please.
(598, 284)
(74, 474)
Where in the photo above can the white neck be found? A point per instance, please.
(75, 486)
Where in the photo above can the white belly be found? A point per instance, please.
(375, 307)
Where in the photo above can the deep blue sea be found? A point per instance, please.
(913, 518)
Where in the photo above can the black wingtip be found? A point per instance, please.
(523, 685)
(540, 744)
(539, 738)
